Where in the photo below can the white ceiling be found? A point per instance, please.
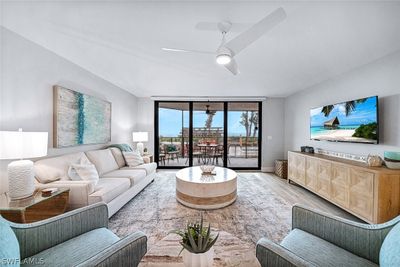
(120, 41)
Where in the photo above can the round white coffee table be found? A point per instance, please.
(195, 190)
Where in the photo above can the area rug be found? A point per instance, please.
(258, 211)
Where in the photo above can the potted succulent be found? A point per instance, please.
(197, 244)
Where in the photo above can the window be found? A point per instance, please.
(218, 133)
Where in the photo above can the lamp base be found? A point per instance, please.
(140, 148)
(20, 179)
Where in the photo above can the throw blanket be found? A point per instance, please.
(122, 147)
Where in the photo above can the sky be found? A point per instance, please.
(170, 121)
(364, 113)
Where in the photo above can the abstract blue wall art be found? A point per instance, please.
(80, 119)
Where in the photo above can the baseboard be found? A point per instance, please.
(267, 169)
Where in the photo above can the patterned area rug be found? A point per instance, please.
(258, 211)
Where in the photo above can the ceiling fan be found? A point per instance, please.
(228, 50)
(208, 111)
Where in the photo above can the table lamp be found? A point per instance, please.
(140, 137)
(19, 145)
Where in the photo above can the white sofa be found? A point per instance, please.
(117, 184)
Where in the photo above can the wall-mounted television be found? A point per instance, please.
(353, 121)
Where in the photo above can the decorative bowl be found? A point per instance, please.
(392, 156)
(207, 168)
(392, 165)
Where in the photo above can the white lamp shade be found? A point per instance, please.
(140, 136)
(19, 145)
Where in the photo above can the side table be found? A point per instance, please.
(35, 207)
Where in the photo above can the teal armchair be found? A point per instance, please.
(76, 238)
(320, 239)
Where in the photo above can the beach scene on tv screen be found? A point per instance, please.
(351, 121)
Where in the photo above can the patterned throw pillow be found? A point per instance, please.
(133, 158)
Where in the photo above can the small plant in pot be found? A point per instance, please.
(197, 244)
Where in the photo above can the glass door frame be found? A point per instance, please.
(225, 137)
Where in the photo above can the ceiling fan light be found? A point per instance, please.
(223, 59)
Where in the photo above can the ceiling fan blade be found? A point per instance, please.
(259, 29)
(232, 67)
(186, 50)
(213, 26)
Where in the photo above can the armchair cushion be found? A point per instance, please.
(321, 252)
(38, 236)
(363, 240)
(390, 250)
(77, 249)
(8, 244)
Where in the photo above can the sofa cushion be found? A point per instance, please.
(134, 175)
(9, 247)
(109, 188)
(56, 168)
(148, 167)
(119, 158)
(103, 159)
(390, 250)
(321, 252)
(78, 249)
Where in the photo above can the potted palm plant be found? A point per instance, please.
(197, 244)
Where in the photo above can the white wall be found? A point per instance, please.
(26, 100)
(273, 126)
(145, 120)
(273, 132)
(380, 78)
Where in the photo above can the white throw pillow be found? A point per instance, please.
(133, 158)
(72, 174)
(86, 172)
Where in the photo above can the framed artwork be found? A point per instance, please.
(79, 119)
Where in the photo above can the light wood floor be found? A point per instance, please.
(294, 194)
(297, 194)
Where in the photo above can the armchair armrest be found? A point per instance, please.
(270, 254)
(364, 240)
(126, 252)
(38, 236)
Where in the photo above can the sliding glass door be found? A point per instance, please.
(208, 133)
(219, 133)
(173, 134)
(243, 134)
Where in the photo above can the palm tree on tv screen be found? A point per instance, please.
(349, 106)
